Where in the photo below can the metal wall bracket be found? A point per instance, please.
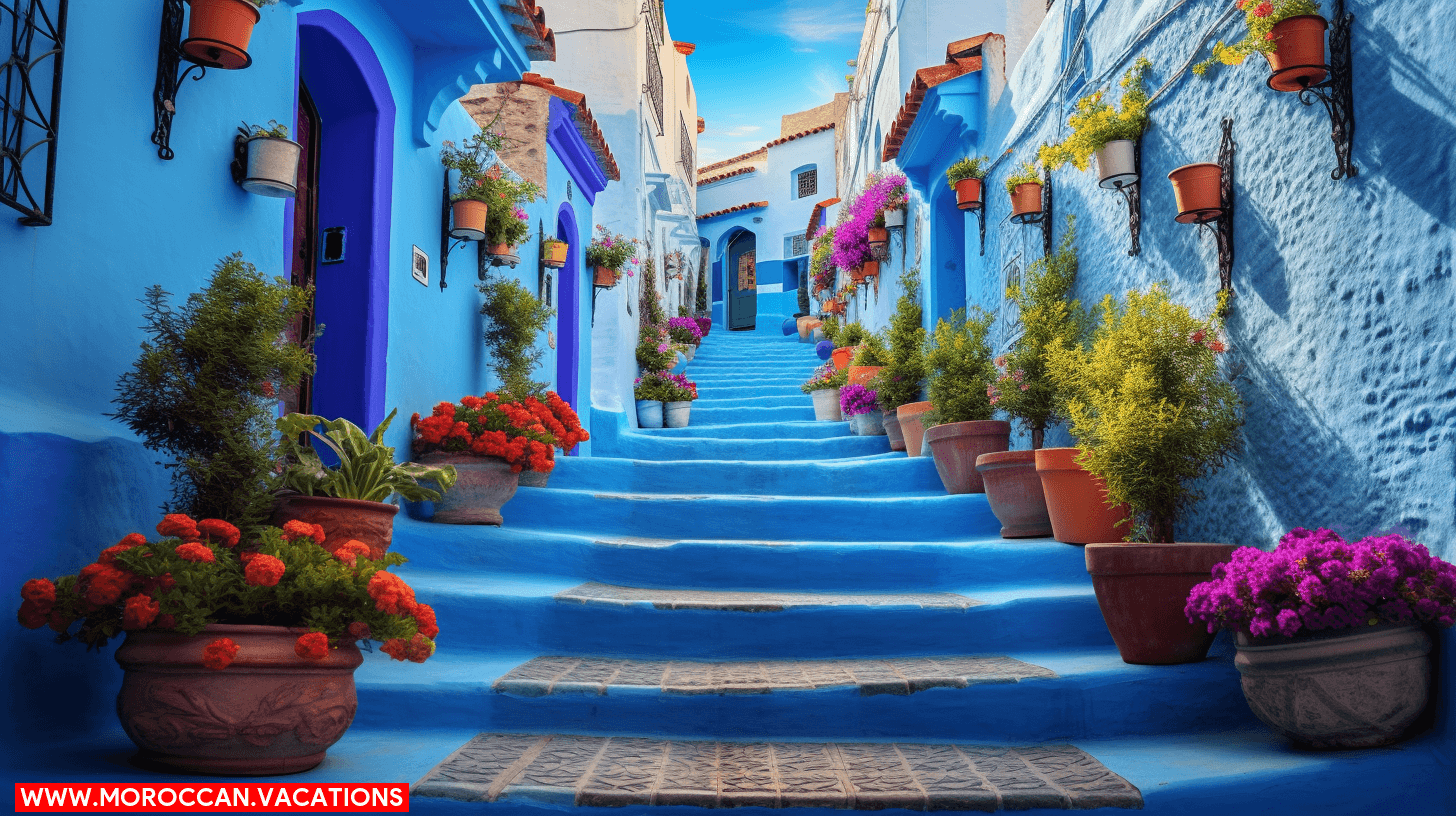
(1046, 212)
(1132, 194)
(1335, 92)
(1221, 222)
(170, 54)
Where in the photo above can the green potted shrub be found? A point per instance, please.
(1291, 36)
(1152, 414)
(847, 341)
(272, 166)
(1110, 134)
(965, 177)
(900, 381)
(471, 203)
(514, 320)
(677, 400)
(351, 501)
(958, 426)
(610, 255)
(1024, 186)
(507, 224)
(824, 388)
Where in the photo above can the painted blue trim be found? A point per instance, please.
(330, 30)
(573, 151)
(568, 307)
(950, 121)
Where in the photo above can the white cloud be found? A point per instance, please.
(741, 131)
(819, 24)
(805, 50)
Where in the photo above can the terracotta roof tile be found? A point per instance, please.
(753, 205)
(585, 123)
(730, 174)
(801, 134)
(754, 154)
(814, 216)
(702, 124)
(530, 23)
(962, 57)
(684, 48)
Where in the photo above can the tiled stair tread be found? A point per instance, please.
(596, 593)
(621, 771)
(901, 675)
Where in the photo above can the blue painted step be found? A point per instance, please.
(646, 446)
(845, 477)
(754, 430)
(709, 415)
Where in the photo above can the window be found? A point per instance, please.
(795, 245)
(1075, 54)
(654, 83)
(808, 182)
(30, 106)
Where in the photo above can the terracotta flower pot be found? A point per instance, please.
(842, 356)
(1142, 590)
(826, 405)
(878, 236)
(856, 275)
(911, 425)
(1346, 688)
(1198, 190)
(1013, 489)
(807, 325)
(955, 447)
(968, 194)
(469, 216)
(554, 255)
(270, 712)
(892, 430)
(218, 32)
(1299, 53)
(500, 249)
(343, 520)
(484, 485)
(871, 269)
(861, 375)
(604, 277)
(1076, 500)
(1026, 199)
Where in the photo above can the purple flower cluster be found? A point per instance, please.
(704, 324)
(687, 324)
(855, 399)
(851, 238)
(1316, 580)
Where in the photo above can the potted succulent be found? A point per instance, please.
(965, 177)
(610, 254)
(272, 167)
(869, 359)
(240, 644)
(1331, 650)
(1025, 390)
(554, 252)
(1291, 36)
(859, 403)
(1107, 133)
(218, 32)
(1024, 186)
(506, 224)
(825, 387)
(677, 402)
(652, 390)
(1153, 413)
(351, 501)
(489, 440)
(960, 427)
(470, 203)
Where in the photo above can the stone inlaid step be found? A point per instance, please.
(520, 547)
(560, 674)
(652, 447)
(901, 475)
(730, 601)
(757, 430)
(739, 414)
(626, 771)
(775, 518)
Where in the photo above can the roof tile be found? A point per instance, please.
(962, 57)
(752, 205)
(585, 123)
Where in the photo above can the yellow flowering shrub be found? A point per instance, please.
(1260, 17)
(1096, 122)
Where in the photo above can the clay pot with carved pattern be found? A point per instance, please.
(343, 520)
(269, 712)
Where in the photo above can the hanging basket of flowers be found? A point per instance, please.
(965, 177)
(1024, 186)
(1291, 36)
(610, 254)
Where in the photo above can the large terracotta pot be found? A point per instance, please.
(1142, 590)
(878, 237)
(604, 277)
(892, 430)
(1013, 489)
(469, 216)
(1198, 188)
(1346, 688)
(1026, 199)
(861, 375)
(500, 250)
(343, 520)
(270, 712)
(484, 485)
(1299, 53)
(842, 356)
(871, 269)
(218, 32)
(1076, 500)
(955, 447)
(912, 426)
(968, 194)
(826, 404)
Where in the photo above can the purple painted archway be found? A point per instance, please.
(568, 308)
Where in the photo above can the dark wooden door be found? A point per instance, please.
(304, 255)
(743, 282)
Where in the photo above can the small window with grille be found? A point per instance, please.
(795, 245)
(808, 182)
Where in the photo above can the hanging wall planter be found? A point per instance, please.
(968, 194)
(1116, 164)
(1298, 60)
(1026, 203)
(1198, 190)
(218, 32)
(265, 160)
(605, 277)
(895, 218)
(871, 269)
(469, 219)
(553, 254)
(879, 239)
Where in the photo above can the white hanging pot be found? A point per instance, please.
(894, 218)
(1116, 165)
(272, 167)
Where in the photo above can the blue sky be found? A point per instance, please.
(760, 59)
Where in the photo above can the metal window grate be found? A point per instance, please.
(808, 183)
(685, 146)
(799, 246)
(655, 16)
(30, 105)
(654, 82)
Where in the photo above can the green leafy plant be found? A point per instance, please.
(900, 382)
(655, 350)
(366, 470)
(205, 388)
(506, 221)
(853, 334)
(471, 160)
(831, 328)
(664, 387)
(958, 360)
(262, 3)
(1149, 406)
(700, 303)
(1024, 387)
(1025, 174)
(967, 168)
(1096, 122)
(610, 251)
(272, 130)
(514, 319)
(649, 300)
(1260, 17)
(872, 352)
(825, 376)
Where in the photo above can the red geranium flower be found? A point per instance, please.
(312, 646)
(139, 613)
(32, 616)
(193, 551)
(425, 618)
(391, 595)
(41, 591)
(264, 570)
(219, 654)
(220, 531)
(177, 525)
(351, 551)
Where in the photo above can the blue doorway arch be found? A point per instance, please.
(946, 283)
(355, 182)
(568, 309)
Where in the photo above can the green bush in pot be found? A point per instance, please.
(958, 363)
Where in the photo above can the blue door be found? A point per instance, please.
(742, 282)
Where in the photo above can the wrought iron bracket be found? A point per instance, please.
(1336, 92)
(980, 211)
(445, 244)
(239, 165)
(1132, 194)
(1221, 221)
(1046, 212)
(170, 56)
(597, 290)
